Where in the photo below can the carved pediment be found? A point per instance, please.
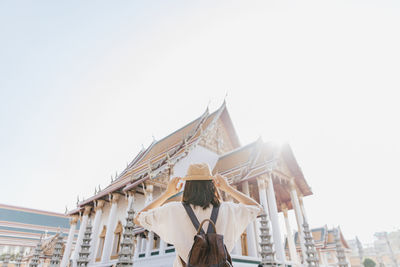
(216, 138)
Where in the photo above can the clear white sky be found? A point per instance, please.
(84, 83)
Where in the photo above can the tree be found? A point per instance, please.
(369, 263)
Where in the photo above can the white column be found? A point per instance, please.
(150, 237)
(291, 244)
(82, 228)
(96, 229)
(299, 217)
(251, 241)
(138, 247)
(112, 220)
(163, 245)
(149, 244)
(149, 193)
(68, 245)
(303, 210)
(273, 212)
(263, 194)
(144, 245)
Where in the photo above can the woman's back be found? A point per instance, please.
(174, 226)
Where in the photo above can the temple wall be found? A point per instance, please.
(139, 202)
(104, 217)
(121, 210)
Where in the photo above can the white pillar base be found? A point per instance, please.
(163, 246)
(149, 245)
(138, 247)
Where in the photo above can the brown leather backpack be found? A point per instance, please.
(208, 249)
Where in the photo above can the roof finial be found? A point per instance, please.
(226, 95)
(77, 200)
(66, 209)
(154, 138)
(112, 178)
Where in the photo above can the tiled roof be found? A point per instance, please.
(253, 159)
(318, 234)
(32, 216)
(156, 153)
(235, 158)
(24, 226)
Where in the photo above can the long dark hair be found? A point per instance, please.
(200, 193)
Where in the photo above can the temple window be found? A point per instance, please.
(157, 240)
(243, 238)
(117, 240)
(101, 243)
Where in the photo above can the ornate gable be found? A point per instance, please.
(220, 136)
(217, 139)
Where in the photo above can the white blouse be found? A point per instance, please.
(174, 226)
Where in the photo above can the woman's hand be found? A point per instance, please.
(172, 186)
(171, 190)
(221, 183)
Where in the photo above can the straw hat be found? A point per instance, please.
(199, 172)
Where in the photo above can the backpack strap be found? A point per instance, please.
(182, 262)
(192, 217)
(213, 218)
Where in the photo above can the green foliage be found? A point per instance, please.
(369, 263)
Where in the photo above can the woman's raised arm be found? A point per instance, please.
(171, 190)
(222, 184)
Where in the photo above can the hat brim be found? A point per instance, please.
(198, 178)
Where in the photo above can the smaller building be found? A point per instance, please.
(325, 244)
(384, 251)
(22, 228)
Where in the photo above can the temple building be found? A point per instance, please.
(326, 244)
(265, 171)
(384, 250)
(22, 228)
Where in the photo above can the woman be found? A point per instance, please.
(172, 224)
